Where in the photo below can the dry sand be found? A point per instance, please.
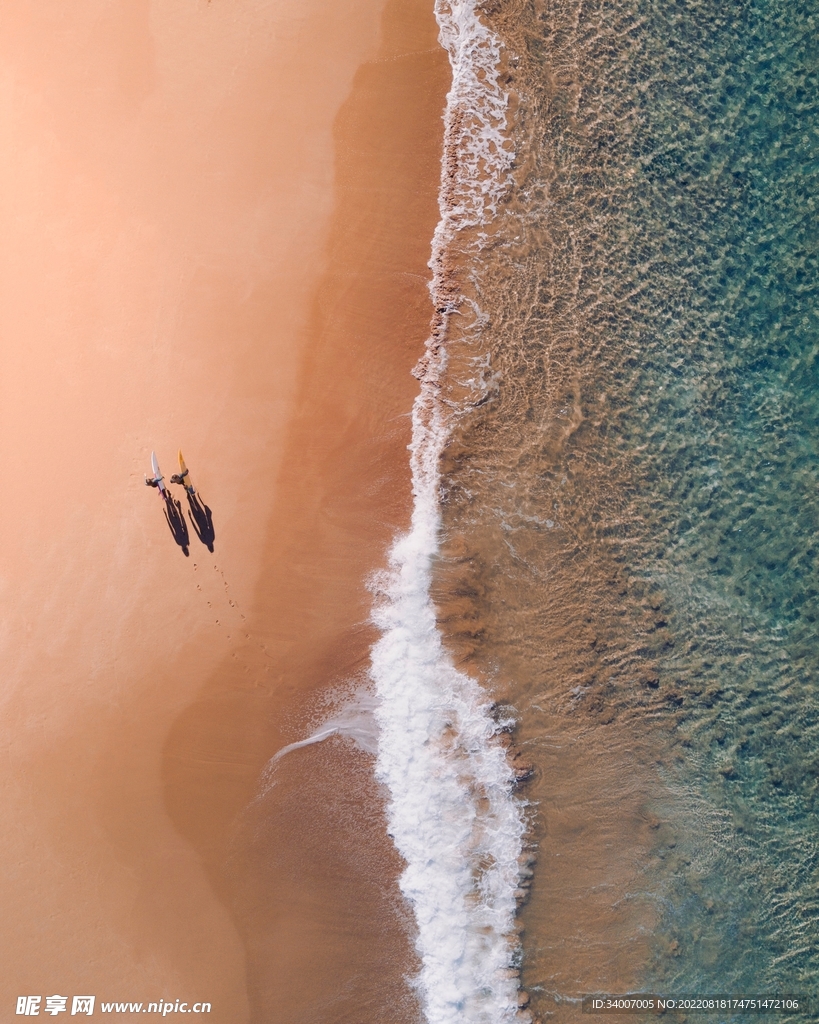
(215, 220)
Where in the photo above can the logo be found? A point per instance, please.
(29, 1006)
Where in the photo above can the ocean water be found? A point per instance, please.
(616, 469)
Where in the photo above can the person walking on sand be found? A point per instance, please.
(157, 480)
(183, 476)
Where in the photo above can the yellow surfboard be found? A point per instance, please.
(184, 475)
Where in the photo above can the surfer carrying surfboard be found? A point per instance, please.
(183, 476)
(157, 480)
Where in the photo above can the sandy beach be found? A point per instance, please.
(216, 223)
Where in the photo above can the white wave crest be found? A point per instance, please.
(451, 809)
(477, 152)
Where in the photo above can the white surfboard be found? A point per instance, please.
(160, 479)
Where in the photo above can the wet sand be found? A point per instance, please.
(216, 222)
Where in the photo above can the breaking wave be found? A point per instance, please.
(452, 812)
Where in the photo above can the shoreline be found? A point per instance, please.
(442, 753)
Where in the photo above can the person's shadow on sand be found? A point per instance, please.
(201, 518)
(177, 524)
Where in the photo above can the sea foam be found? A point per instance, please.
(451, 809)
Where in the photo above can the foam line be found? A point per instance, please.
(353, 719)
(451, 808)
(317, 737)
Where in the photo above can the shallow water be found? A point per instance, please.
(630, 489)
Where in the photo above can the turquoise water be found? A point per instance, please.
(732, 442)
(632, 508)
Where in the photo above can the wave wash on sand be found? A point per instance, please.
(452, 812)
